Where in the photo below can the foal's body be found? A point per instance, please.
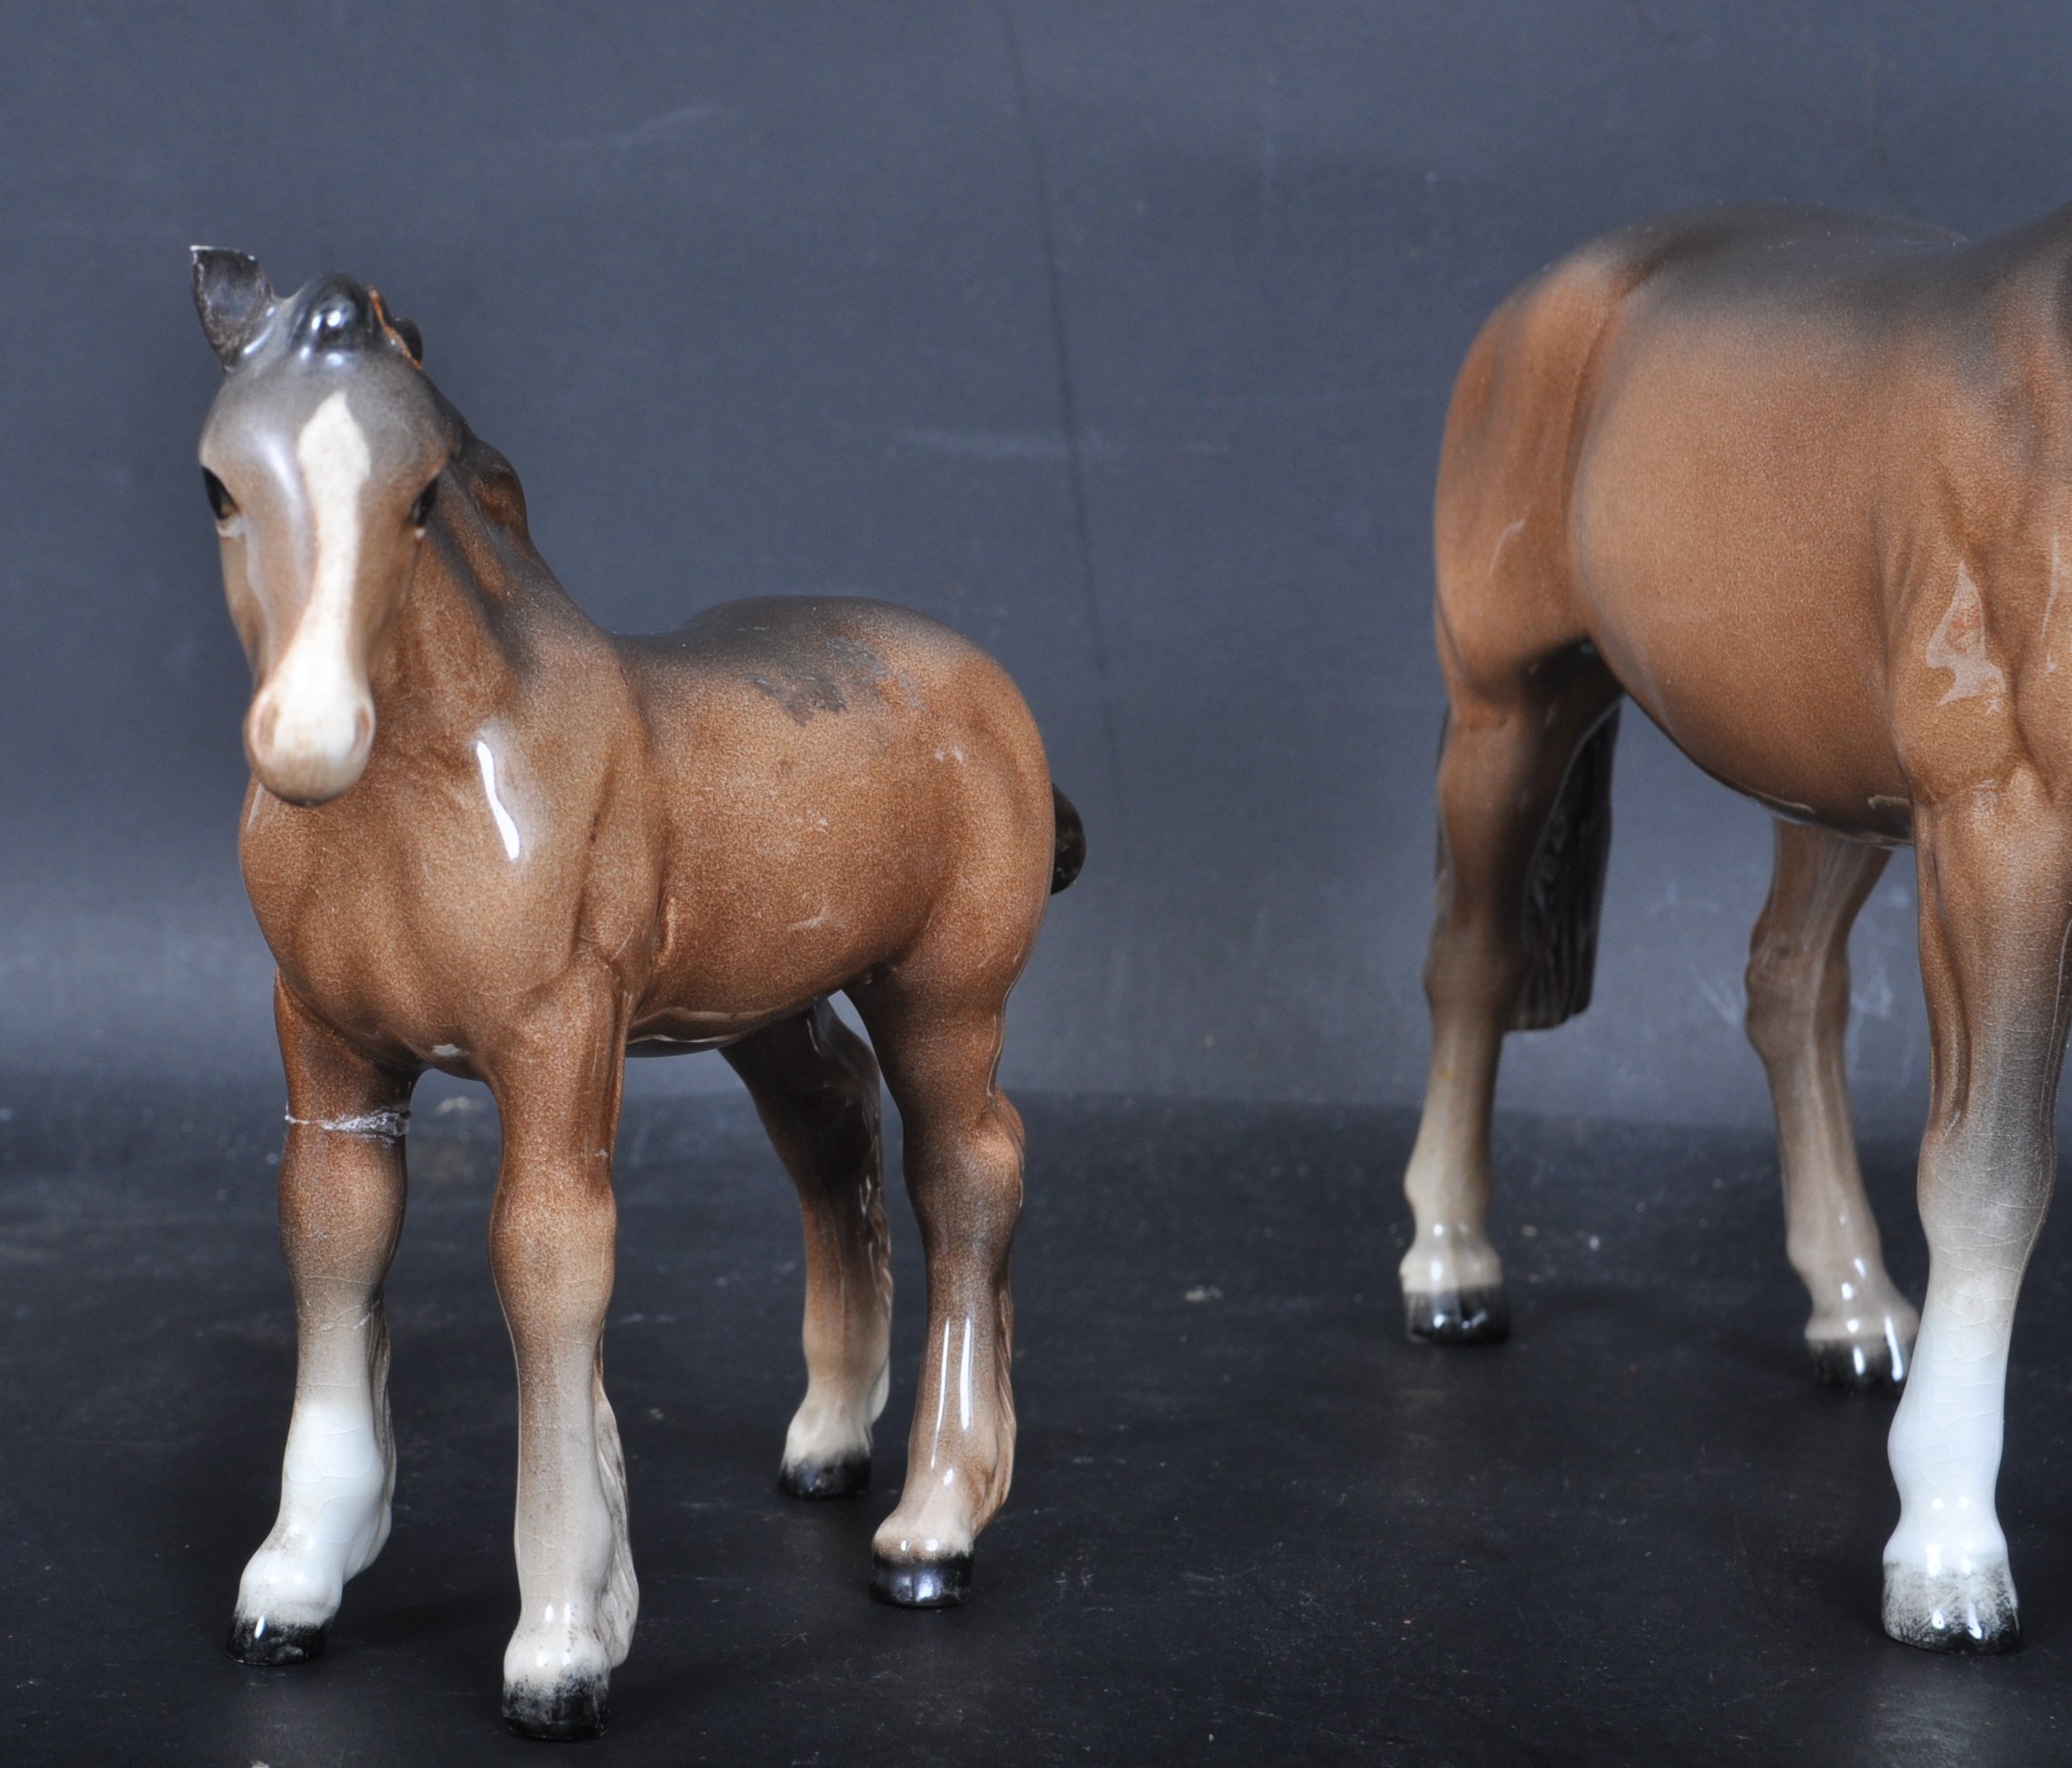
(565, 845)
(1795, 481)
(720, 825)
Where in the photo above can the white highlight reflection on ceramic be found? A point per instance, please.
(942, 1397)
(964, 1381)
(506, 826)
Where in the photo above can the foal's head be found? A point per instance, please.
(322, 455)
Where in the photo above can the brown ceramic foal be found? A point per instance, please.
(1800, 484)
(484, 837)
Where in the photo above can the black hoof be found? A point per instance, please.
(921, 1583)
(576, 1711)
(848, 1478)
(1854, 1368)
(1967, 1616)
(263, 1643)
(1458, 1316)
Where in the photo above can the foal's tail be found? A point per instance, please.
(1070, 854)
(1566, 888)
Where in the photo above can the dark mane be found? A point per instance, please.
(494, 483)
(486, 473)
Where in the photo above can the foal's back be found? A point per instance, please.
(834, 776)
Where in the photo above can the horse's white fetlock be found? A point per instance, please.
(337, 1482)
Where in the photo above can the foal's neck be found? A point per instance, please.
(480, 605)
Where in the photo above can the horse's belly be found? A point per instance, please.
(1724, 561)
(1811, 772)
(1764, 700)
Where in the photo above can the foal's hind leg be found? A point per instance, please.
(1861, 1332)
(815, 1085)
(963, 1158)
(341, 1209)
(1523, 807)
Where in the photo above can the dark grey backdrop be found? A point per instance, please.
(1118, 335)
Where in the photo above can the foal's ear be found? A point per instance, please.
(401, 329)
(233, 297)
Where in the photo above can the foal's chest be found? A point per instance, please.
(418, 918)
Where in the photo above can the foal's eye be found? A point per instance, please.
(420, 512)
(219, 498)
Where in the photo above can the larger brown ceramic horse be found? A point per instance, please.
(484, 837)
(1800, 484)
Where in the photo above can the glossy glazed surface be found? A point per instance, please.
(485, 836)
(1796, 482)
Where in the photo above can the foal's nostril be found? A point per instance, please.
(362, 730)
(264, 725)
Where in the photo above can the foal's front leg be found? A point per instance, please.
(341, 1209)
(552, 1233)
(1996, 914)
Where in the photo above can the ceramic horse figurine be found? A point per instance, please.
(1800, 483)
(484, 837)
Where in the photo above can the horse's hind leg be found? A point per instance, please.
(1861, 1332)
(963, 1161)
(341, 1210)
(1525, 784)
(815, 1085)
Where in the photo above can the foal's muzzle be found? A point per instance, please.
(308, 739)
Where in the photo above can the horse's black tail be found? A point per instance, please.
(1566, 888)
(1070, 854)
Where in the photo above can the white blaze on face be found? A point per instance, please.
(313, 715)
